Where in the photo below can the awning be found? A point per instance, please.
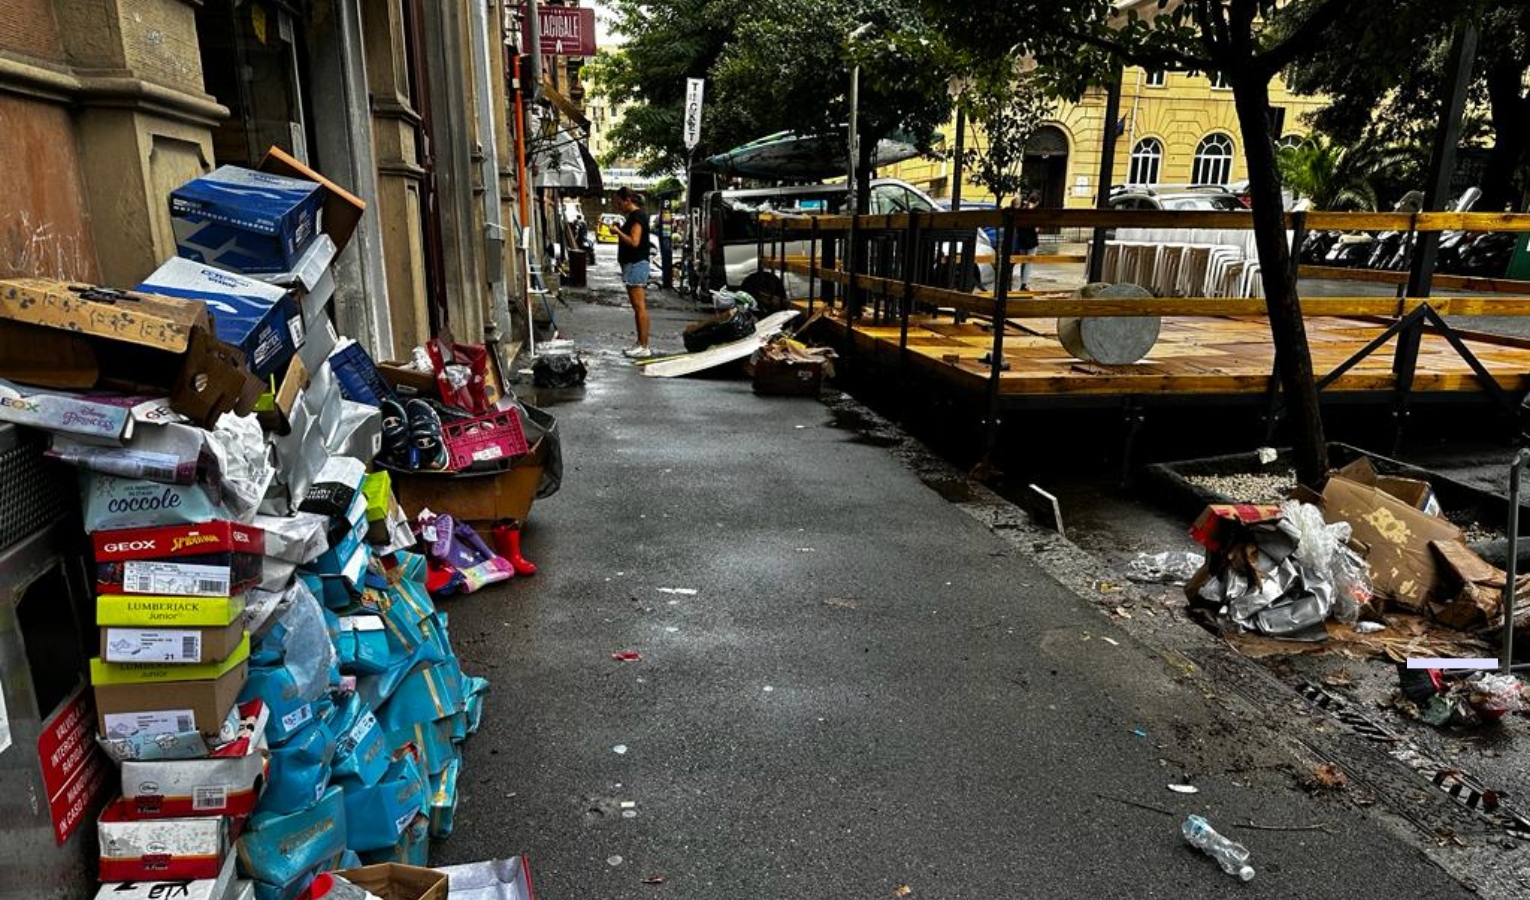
(787, 156)
(564, 105)
(565, 162)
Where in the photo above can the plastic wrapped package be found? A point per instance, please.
(300, 770)
(300, 538)
(425, 695)
(377, 815)
(364, 645)
(431, 740)
(244, 459)
(300, 639)
(280, 850)
(412, 849)
(361, 747)
(474, 690)
(1492, 696)
(1323, 552)
(443, 798)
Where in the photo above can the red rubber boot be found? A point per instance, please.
(507, 543)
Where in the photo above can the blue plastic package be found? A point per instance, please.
(379, 814)
(293, 704)
(412, 849)
(443, 798)
(281, 850)
(474, 690)
(425, 695)
(364, 645)
(300, 771)
(361, 746)
(432, 740)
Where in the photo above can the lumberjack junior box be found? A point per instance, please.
(210, 559)
(168, 698)
(157, 611)
(191, 646)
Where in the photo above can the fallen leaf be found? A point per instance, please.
(654, 879)
(1338, 678)
(627, 656)
(1327, 777)
(902, 890)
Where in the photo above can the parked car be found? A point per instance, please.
(605, 232)
(728, 250)
(992, 231)
(1198, 197)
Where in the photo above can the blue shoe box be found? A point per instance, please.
(261, 319)
(246, 221)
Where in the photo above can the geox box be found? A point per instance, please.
(246, 221)
(208, 559)
(261, 319)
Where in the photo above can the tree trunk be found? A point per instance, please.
(1251, 93)
(1509, 108)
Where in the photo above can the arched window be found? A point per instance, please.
(1213, 160)
(1147, 159)
(1289, 142)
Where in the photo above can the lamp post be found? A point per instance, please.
(854, 141)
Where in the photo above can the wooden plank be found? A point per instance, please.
(1441, 282)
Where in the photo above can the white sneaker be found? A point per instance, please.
(637, 353)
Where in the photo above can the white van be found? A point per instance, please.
(728, 251)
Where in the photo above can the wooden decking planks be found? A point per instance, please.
(1193, 355)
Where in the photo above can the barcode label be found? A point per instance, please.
(185, 723)
(143, 576)
(132, 724)
(293, 720)
(143, 645)
(295, 329)
(209, 799)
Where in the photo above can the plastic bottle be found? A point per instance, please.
(1230, 855)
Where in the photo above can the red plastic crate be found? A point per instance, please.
(485, 439)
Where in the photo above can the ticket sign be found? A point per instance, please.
(564, 30)
(75, 772)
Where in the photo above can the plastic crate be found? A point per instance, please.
(485, 439)
(360, 382)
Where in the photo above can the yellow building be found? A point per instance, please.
(1175, 128)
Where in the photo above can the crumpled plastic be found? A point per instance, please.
(300, 642)
(1322, 549)
(244, 459)
(1495, 694)
(1170, 567)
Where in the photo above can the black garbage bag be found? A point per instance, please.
(543, 425)
(734, 325)
(558, 370)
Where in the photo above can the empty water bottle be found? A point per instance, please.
(1230, 855)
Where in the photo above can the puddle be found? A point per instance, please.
(867, 431)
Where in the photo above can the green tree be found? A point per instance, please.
(1249, 42)
(1337, 176)
(1009, 109)
(1384, 70)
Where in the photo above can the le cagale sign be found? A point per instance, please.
(564, 30)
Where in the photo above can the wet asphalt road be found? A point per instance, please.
(847, 686)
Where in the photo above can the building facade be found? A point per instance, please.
(1174, 128)
(108, 105)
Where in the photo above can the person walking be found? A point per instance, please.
(1025, 242)
(632, 258)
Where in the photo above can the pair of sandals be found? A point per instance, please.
(411, 436)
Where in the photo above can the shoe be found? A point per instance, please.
(637, 353)
(507, 543)
(396, 449)
(425, 436)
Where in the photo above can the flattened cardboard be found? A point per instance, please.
(342, 209)
(1403, 568)
(208, 701)
(125, 645)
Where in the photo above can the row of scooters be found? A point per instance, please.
(1483, 254)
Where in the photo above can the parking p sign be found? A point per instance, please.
(693, 90)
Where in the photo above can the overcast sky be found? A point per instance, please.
(603, 23)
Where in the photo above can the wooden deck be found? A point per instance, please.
(1194, 355)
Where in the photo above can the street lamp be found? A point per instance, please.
(854, 141)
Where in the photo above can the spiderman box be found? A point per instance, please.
(209, 559)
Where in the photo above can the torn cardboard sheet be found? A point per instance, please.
(1405, 635)
(1472, 589)
(1403, 568)
(713, 357)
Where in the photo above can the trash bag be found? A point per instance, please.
(712, 331)
(558, 370)
(542, 425)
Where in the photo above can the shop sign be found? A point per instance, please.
(74, 770)
(564, 30)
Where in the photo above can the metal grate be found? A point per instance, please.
(34, 493)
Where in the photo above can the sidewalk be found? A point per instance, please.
(847, 685)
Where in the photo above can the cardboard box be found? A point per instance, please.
(1211, 527)
(1403, 568)
(209, 559)
(87, 418)
(54, 334)
(392, 881)
(169, 707)
(103, 673)
(216, 786)
(154, 611)
(274, 410)
(221, 887)
(115, 503)
(261, 319)
(190, 646)
(309, 272)
(190, 849)
(409, 383)
(1412, 491)
(243, 220)
(788, 378)
(475, 498)
(342, 209)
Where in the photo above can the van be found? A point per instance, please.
(728, 226)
